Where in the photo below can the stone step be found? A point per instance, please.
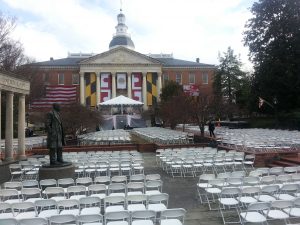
(281, 163)
(295, 160)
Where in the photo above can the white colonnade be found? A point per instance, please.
(10, 86)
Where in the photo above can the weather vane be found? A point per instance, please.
(120, 5)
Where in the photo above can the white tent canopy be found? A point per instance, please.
(121, 100)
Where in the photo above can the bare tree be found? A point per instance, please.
(11, 51)
(83, 119)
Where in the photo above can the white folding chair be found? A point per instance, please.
(63, 219)
(30, 184)
(255, 213)
(47, 183)
(76, 192)
(268, 193)
(10, 195)
(33, 221)
(117, 218)
(65, 182)
(114, 203)
(153, 187)
(9, 221)
(279, 210)
(90, 205)
(102, 180)
(24, 210)
(85, 181)
(158, 202)
(172, 216)
(288, 191)
(92, 219)
(134, 188)
(56, 193)
(69, 206)
(46, 208)
(203, 183)
(229, 199)
(31, 194)
(5, 211)
(117, 189)
(136, 202)
(143, 217)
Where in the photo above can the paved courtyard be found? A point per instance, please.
(183, 194)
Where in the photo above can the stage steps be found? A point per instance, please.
(285, 161)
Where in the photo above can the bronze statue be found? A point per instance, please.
(55, 136)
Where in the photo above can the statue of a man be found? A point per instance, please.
(55, 135)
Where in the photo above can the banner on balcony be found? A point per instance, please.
(105, 85)
(121, 81)
(136, 86)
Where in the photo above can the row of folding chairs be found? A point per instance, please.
(84, 205)
(92, 169)
(193, 166)
(143, 217)
(256, 211)
(75, 192)
(247, 194)
(64, 182)
(238, 179)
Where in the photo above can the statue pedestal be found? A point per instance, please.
(57, 172)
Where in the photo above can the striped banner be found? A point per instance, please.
(90, 89)
(60, 94)
(152, 88)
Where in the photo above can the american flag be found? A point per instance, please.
(63, 95)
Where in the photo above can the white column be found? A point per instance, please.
(82, 100)
(113, 84)
(159, 86)
(144, 90)
(129, 85)
(21, 128)
(9, 129)
(98, 88)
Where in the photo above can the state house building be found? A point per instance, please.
(92, 79)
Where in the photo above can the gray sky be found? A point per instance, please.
(187, 28)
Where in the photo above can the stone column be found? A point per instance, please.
(98, 91)
(82, 100)
(9, 129)
(21, 128)
(159, 86)
(144, 90)
(113, 84)
(129, 85)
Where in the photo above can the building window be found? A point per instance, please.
(75, 79)
(46, 77)
(178, 78)
(205, 78)
(61, 79)
(166, 77)
(192, 78)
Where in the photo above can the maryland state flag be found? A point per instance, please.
(90, 89)
(152, 88)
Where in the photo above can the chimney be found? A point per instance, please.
(51, 58)
(197, 60)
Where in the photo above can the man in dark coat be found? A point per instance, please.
(211, 128)
(55, 135)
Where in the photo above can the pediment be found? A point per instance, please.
(120, 55)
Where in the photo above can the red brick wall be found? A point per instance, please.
(204, 88)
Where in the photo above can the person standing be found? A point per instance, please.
(55, 135)
(211, 128)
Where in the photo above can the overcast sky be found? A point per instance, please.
(189, 29)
